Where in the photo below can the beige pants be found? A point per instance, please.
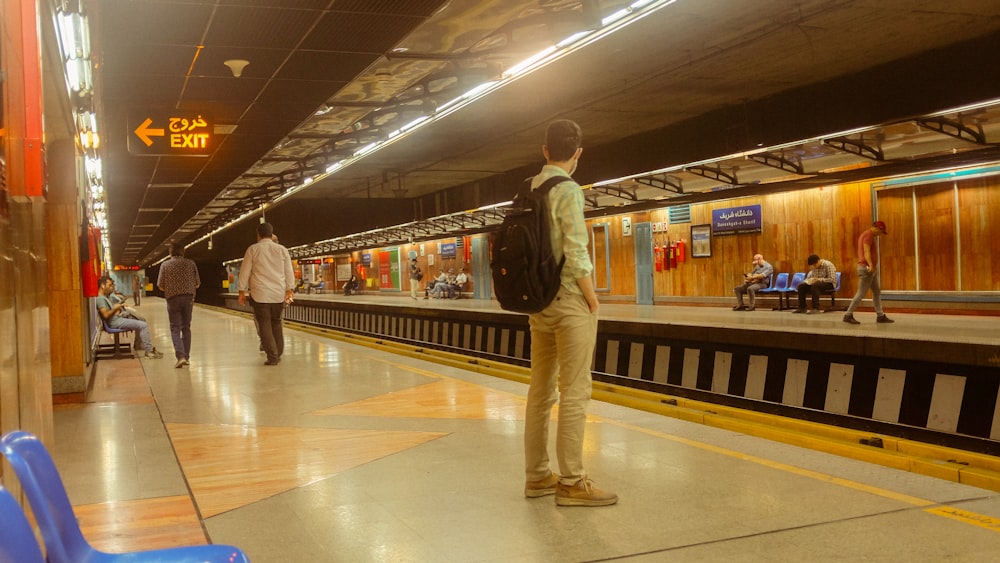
(563, 337)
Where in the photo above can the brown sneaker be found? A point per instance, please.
(583, 493)
(547, 486)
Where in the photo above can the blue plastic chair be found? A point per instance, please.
(64, 542)
(833, 292)
(17, 539)
(793, 287)
(778, 284)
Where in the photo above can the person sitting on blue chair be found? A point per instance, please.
(758, 278)
(352, 285)
(445, 288)
(112, 314)
(821, 277)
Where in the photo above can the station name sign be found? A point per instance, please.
(737, 220)
(170, 133)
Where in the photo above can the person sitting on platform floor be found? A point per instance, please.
(821, 277)
(111, 313)
(758, 278)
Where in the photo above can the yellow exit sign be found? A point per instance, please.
(166, 133)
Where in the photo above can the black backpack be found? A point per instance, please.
(525, 272)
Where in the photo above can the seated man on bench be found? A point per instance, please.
(352, 285)
(111, 313)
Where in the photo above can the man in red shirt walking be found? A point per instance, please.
(868, 277)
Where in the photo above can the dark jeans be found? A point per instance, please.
(272, 338)
(815, 289)
(179, 309)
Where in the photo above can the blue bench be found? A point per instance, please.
(114, 350)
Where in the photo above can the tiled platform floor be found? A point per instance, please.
(343, 453)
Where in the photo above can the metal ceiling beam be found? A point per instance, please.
(627, 194)
(957, 128)
(667, 183)
(780, 160)
(714, 172)
(858, 147)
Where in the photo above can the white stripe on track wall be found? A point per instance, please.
(662, 364)
(689, 376)
(723, 369)
(889, 394)
(635, 360)
(838, 388)
(946, 402)
(756, 377)
(795, 382)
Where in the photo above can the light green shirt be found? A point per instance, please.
(568, 227)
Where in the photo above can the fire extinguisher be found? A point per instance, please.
(680, 250)
(666, 255)
(90, 261)
(673, 255)
(658, 258)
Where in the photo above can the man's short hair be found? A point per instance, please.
(176, 250)
(562, 138)
(103, 280)
(813, 258)
(265, 230)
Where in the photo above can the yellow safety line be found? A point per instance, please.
(931, 507)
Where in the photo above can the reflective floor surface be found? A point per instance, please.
(345, 453)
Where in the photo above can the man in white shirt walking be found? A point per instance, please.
(267, 276)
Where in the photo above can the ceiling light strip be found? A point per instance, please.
(610, 24)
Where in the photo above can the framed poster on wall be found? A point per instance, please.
(701, 241)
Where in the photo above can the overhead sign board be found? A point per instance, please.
(170, 133)
(742, 220)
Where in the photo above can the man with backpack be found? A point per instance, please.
(563, 336)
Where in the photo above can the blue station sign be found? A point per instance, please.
(742, 220)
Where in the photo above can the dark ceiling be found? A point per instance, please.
(695, 80)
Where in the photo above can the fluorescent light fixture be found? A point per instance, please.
(528, 63)
(93, 166)
(413, 124)
(610, 24)
(572, 39)
(616, 16)
(367, 149)
(969, 107)
(494, 206)
(74, 30)
(444, 107)
(484, 87)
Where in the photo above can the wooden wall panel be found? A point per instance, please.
(599, 255)
(898, 250)
(795, 225)
(936, 238)
(979, 214)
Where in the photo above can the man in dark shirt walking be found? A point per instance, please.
(179, 280)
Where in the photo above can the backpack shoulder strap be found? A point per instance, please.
(551, 183)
